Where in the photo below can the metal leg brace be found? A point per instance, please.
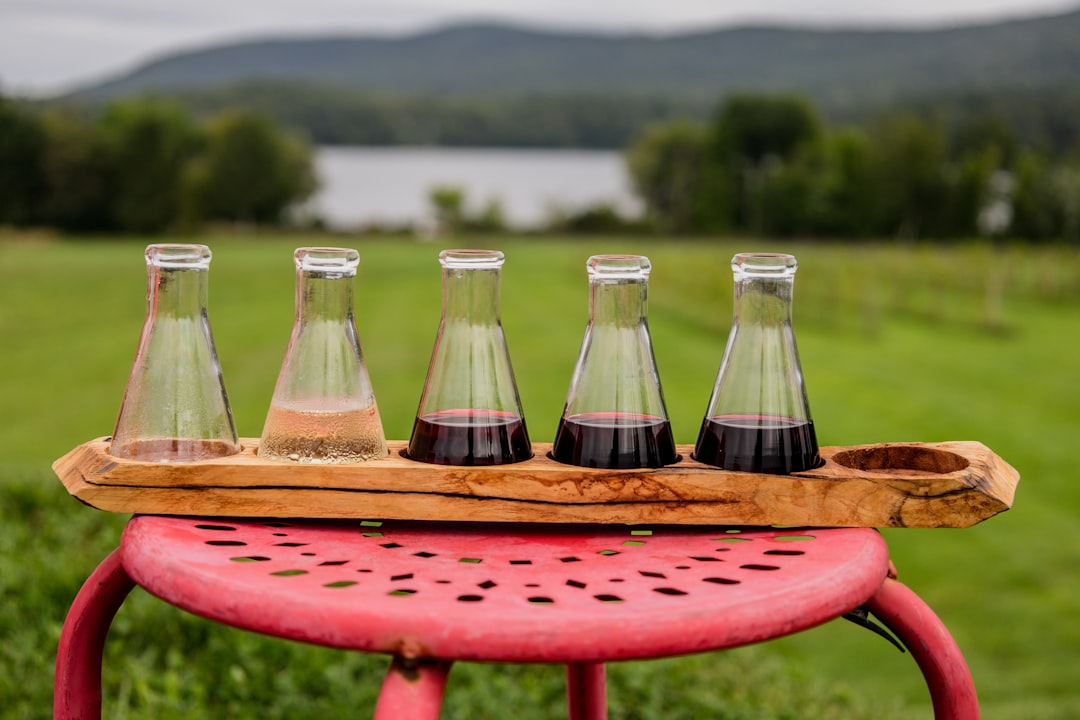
(413, 689)
(951, 688)
(77, 691)
(586, 691)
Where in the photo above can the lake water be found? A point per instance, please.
(391, 186)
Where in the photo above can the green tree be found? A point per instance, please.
(151, 142)
(982, 132)
(755, 127)
(1034, 199)
(971, 191)
(1067, 184)
(752, 137)
(80, 179)
(789, 196)
(448, 204)
(909, 161)
(249, 170)
(845, 193)
(22, 145)
(667, 168)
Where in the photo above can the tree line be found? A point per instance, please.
(146, 166)
(768, 165)
(1046, 117)
(334, 115)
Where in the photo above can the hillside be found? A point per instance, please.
(838, 68)
(497, 85)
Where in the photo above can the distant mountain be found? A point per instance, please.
(837, 68)
(497, 85)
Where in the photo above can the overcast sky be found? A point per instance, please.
(49, 45)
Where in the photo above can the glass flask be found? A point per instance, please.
(758, 418)
(175, 408)
(615, 415)
(323, 409)
(470, 412)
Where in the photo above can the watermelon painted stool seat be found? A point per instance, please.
(430, 594)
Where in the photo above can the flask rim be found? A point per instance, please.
(326, 260)
(178, 256)
(618, 267)
(471, 259)
(764, 264)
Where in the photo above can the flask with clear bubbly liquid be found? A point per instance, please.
(323, 410)
(759, 418)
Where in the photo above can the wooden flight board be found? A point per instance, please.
(948, 484)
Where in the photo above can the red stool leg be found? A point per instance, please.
(77, 692)
(922, 632)
(413, 689)
(586, 691)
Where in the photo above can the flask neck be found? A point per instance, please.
(618, 303)
(323, 296)
(471, 295)
(173, 292)
(763, 285)
(764, 301)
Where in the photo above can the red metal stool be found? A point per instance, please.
(430, 594)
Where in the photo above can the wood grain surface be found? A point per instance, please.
(950, 484)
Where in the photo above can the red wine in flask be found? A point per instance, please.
(757, 443)
(614, 441)
(469, 437)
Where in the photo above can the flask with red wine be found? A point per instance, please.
(758, 418)
(615, 415)
(470, 411)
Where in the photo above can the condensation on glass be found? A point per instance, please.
(175, 408)
(323, 409)
(615, 415)
(758, 418)
(470, 412)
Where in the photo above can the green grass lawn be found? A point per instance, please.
(897, 343)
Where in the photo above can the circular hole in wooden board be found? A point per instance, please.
(902, 460)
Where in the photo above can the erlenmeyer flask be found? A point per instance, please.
(470, 412)
(323, 409)
(175, 408)
(758, 418)
(615, 415)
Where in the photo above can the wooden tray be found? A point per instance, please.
(950, 484)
